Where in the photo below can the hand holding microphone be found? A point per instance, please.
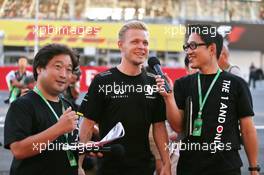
(161, 78)
(114, 150)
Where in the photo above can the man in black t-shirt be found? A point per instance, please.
(127, 94)
(221, 102)
(39, 124)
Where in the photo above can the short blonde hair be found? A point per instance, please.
(131, 25)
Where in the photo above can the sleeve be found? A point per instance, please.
(10, 76)
(93, 102)
(29, 73)
(159, 110)
(236, 71)
(244, 102)
(179, 95)
(18, 123)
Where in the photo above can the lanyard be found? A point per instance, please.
(201, 100)
(70, 155)
(50, 107)
(46, 101)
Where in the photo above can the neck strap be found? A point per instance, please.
(201, 100)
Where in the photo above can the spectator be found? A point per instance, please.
(17, 80)
(252, 75)
(225, 64)
(73, 91)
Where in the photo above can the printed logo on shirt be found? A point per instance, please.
(119, 91)
(223, 110)
(150, 92)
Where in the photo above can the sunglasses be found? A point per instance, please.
(192, 45)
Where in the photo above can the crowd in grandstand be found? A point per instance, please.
(168, 9)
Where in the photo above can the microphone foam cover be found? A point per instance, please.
(153, 61)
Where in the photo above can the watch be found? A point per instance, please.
(255, 168)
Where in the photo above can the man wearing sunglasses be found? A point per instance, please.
(220, 103)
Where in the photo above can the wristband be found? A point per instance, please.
(255, 168)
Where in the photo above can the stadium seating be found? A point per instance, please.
(217, 10)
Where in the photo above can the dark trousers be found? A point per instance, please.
(236, 171)
(252, 78)
(142, 168)
(132, 171)
(230, 172)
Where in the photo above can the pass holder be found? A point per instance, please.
(71, 158)
(197, 126)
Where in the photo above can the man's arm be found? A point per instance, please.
(9, 77)
(249, 136)
(174, 114)
(34, 144)
(161, 139)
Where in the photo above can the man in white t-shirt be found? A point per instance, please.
(224, 63)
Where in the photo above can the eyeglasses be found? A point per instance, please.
(192, 45)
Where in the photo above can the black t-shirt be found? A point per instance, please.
(27, 116)
(228, 101)
(132, 100)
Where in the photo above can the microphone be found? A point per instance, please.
(154, 64)
(94, 149)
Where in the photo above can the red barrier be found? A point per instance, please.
(3, 72)
(88, 73)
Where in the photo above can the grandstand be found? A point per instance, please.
(220, 10)
(107, 15)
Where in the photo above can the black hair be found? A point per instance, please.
(47, 53)
(22, 57)
(209, 35)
